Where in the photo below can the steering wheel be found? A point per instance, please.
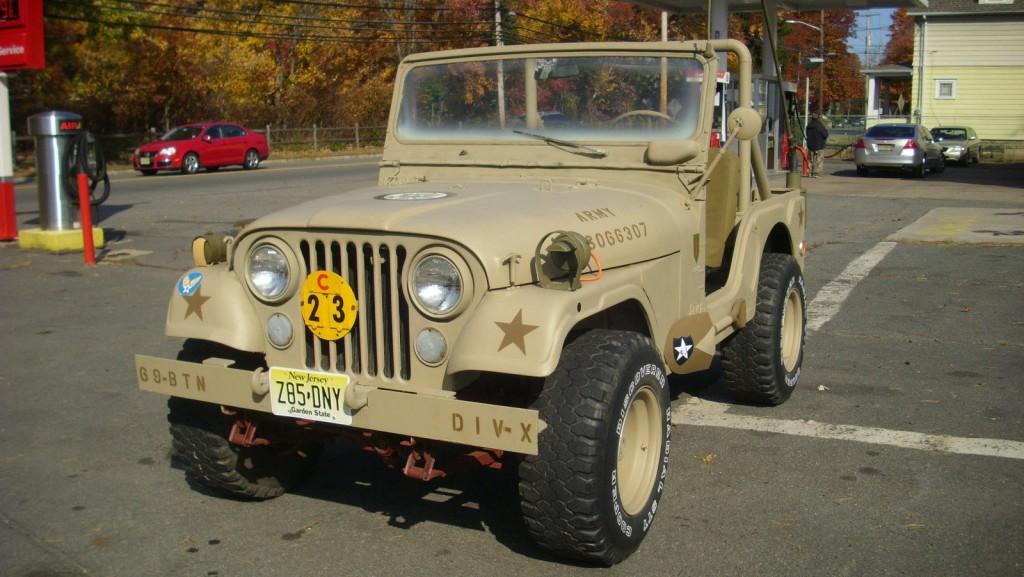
(648, 113)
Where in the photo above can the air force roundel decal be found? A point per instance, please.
(682, 347)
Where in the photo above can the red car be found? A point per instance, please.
(208, 145)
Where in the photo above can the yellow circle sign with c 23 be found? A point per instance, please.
(329, 307)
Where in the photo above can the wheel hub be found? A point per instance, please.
(792, 330)
(639, 443)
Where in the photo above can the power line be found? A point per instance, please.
(255, 21)
(192, 11)
(381, 6)
(241, 34)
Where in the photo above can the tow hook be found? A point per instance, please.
(243, 432)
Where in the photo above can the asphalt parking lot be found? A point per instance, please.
(901, 452)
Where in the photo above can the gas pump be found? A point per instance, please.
(83, 154)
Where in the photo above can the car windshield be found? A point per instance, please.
(882, 131)
(183, 133)
(576, 98)
(949, 133)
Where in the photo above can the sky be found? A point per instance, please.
(876, 22)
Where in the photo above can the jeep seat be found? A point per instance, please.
(720, 209)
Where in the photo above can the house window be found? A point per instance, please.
(945, 89)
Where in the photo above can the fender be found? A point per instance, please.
(540, 319)
(218, 309)
(738, 299)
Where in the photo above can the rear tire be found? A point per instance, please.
(252, 159)
(920, 171)
(761, 363)
(593, 489)
(199, 433)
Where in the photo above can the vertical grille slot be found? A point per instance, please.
(371, 304)
(379, 343)
(354, 340)
(402, 308)
(309, 337)
(337, 347)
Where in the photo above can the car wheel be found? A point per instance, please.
(761, 363)
(593, 488)
(862, 171)
(941, 166)
(190, 163)
(148, 172)
(252, 159)
(922, 169)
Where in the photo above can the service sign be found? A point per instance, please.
(21, 35)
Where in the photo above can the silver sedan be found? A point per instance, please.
(902, 146)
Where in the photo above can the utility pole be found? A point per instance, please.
(867, 38)
(821, 71)
(499, 41)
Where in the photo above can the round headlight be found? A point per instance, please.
(437, 285)
(268, 271)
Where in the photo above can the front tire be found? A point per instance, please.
(199, 433)
(190, 163)
(761, 363)
(594, 487)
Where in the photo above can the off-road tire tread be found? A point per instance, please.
(749, 357)
(207, 456)
(560, 487)
(199, 433)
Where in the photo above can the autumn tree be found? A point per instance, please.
(900, 49)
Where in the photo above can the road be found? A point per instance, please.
(873, 467)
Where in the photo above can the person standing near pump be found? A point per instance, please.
(817, 136)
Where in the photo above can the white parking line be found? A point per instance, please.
(830, 298)
(709, 414)
(828, 301)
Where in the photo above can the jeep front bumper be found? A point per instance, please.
(424, 416)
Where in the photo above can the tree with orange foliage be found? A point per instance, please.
(900, 49)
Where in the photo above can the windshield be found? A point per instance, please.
(183, 133)
(949, 133)
(577, 98)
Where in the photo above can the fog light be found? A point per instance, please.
(279, 330)
(431, 347)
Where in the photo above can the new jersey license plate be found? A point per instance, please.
(309, 395)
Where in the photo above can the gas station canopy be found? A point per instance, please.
(755, 5)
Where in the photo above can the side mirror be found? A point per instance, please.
(207, 138)
(744, 123)
(671, 152)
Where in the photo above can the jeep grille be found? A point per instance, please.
(378, 345)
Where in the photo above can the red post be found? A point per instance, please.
(86, 210)
(8, 219)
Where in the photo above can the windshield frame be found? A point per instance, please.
(623, 50)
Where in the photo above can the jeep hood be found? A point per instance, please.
(494, 220)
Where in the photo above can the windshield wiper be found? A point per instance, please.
(588, 150)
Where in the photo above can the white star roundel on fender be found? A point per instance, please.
(682, 347)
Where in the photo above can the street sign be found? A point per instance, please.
(21, 35)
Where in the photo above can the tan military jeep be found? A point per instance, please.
(551, 235)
